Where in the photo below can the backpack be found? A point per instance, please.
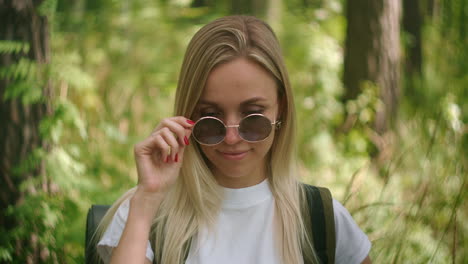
(318, 219)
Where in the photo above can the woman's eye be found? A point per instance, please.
(210, 114)
(251, 112)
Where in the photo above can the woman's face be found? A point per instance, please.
(233, 91)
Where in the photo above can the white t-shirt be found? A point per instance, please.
(244, 233)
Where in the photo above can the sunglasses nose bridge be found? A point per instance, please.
(232, 134)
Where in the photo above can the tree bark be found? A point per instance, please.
(199, 3)
(19, 133)
(372, 52)
(412, 23)
(249, 7)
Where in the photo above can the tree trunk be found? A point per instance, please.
(249, 7)
(372, 52)
(19, 133)
(412, 23)
(199, 3)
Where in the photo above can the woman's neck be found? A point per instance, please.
(241, 182)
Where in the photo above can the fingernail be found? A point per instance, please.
(186, 140)
(190, 121)
(176, 157)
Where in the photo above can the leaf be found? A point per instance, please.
(66, 171)
(25, 91)
(65, 114)
(21, 70)
(5, 254)
(8, 46)
(48, 8)
(113, 132)
(67, 68)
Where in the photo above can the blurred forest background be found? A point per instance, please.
(381, 88)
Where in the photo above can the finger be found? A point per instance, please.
(171, 140)
(177, 129)
(154, 146)
(187, 123)
(162, 146)
(180, 154)
(183, 121)
(188, 133)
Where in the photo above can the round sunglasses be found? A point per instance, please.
(253, 128)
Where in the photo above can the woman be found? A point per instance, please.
(224, 189)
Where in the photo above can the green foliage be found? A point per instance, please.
(47, 8)
(66, 114)
(413, 186)
(114, 71)
(23, 83)
(7, 46)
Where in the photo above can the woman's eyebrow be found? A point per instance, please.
(246, 102)
(253, 100)
(206, 102)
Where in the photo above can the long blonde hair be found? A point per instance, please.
(195, 200)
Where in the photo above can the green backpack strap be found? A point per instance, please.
(322, 222)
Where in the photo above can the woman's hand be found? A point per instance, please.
(159, 157)
(157, 171)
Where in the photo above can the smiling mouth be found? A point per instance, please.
(234, 155)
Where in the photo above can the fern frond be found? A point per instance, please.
(22, 70)
(28, 92)
(8, 46)
(67, 68)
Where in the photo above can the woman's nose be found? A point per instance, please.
(232, 136)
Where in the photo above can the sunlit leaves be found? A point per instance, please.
(66, 67)
(113, 132)
(67, 114)
(452, 114)
(67, 171)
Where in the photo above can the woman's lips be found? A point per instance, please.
(234, 155)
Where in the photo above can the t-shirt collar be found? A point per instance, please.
(246, 197)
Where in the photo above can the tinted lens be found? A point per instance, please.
(255, 128)
(209, 131)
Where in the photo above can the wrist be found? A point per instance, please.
(145, 205)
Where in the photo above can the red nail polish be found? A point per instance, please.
(190, 121)
(186, 141)
(176, 157)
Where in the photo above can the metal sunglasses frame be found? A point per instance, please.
(276, 123)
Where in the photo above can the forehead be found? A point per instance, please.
(237, 81)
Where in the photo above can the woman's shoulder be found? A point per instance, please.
(352, 244)
(113, 232)
(116, 225)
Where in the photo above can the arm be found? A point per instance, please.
(367, 261)
(132, 245)
(158, 160)
(352, 244)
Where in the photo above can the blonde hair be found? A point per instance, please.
(195, 200)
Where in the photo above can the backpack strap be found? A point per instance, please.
(322, 221)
